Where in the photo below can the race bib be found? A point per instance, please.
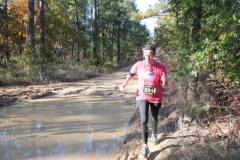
(149, 90)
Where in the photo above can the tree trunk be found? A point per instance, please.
(196, 26)
(78, 29)
(21, 37)
(95, 29)
(118, 42)
(177, 13)
(5, 21)
(103, 44)
(111, 42)
(85, 54)
(31, 24)
(72, 50)
(42, 25)
(4, 50)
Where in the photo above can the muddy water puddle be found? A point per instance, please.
(64, 128)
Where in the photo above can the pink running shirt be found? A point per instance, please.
(149, 80)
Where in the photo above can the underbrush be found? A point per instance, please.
(206, 150)
(213, 130)
(208, 125)
(25, 71)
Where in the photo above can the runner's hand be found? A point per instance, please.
(121, 87)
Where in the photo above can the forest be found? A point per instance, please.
(201, 36)
(43, 40)
(69, 40)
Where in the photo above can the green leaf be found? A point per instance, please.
(194, 73)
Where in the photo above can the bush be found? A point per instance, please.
(25, 70)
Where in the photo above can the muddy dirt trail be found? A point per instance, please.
(87, 119)
(177, 140)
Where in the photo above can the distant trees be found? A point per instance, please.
(71, 29)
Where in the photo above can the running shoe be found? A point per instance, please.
(144, 152)
(154, 139)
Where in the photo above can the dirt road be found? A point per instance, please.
(105, 85)
(85, 119)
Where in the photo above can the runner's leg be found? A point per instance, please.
(143, 109)
(154, 115)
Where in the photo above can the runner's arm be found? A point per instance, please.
(128, 78)
(164, 80)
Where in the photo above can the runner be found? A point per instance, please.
(151, 77)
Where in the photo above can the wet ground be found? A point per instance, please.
(71, 122)
(87, 120)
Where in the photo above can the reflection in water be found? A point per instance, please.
(70, 127)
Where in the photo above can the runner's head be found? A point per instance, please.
(150, 47)
(149, 51)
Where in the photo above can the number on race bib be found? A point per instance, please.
(149, 90)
